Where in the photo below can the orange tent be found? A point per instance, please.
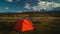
(23, 25)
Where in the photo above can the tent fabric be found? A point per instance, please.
(23, 25)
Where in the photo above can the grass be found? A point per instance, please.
(47, 25)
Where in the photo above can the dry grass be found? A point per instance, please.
(47, 25)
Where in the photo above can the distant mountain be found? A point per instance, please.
(54, 12)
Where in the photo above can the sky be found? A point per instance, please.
(27, 5)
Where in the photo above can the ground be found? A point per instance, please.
(47, 25)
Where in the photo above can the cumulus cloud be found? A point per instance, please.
(45, 5)
(9, 0)
(27, 6)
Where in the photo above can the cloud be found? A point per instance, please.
(19, 11)
(13, 0)
(9, 0)
(6, 8)
(27, 6)
(45, 5)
